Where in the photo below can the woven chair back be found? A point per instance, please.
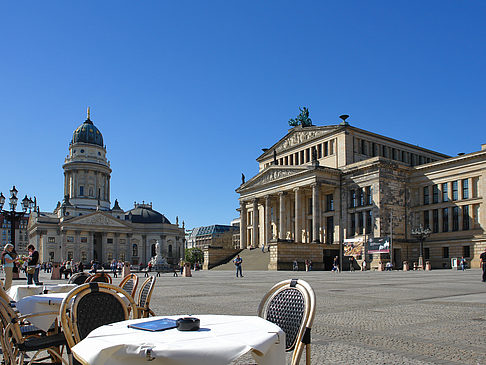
(94, 305)
(129, 284)
(145, 294)
(99, 277)
(78, 278)
(290, 304)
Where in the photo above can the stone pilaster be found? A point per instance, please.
(281, 212)
(243, 228)
(316, 217)
(267, 220)
(256, 218)
(298, 216)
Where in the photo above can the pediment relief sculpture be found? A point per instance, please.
(99, 220)
(298, 138)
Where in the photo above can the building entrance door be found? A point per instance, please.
(397, 258)
(97, 247)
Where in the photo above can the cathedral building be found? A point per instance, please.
(323, 189)
(86, 227)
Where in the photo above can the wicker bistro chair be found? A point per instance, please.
(92, 305)
(79, 278)
(290, 304)
(99, 277)
(21, 342)
(129, 284)
(144, 296)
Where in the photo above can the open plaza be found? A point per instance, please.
(415, 317)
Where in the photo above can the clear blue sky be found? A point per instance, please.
(186, 93)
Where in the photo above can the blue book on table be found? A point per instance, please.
(155, 325)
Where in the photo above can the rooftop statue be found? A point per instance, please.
(302, 119)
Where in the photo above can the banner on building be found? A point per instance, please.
(353, 247)
(379, 245)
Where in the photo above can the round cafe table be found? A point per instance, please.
(220, 340)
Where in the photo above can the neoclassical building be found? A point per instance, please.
(321, 187)
(85, 227)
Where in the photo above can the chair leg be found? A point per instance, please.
(307, 354)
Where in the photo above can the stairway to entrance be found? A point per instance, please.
(252, 260)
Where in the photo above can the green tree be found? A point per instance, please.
(194, 255)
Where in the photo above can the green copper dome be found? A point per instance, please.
(87, 133)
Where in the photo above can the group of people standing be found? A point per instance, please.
(11, 262)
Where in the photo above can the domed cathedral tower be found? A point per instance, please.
(87, 172)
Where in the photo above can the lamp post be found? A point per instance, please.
(13, 216)
(421, 233)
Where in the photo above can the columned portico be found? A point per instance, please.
(268, 218)
(316, 217)
(281, 225)
(256, 218)
(243, 228)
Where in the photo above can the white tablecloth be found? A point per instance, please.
(41, 303)
(18, 292)
(220, 340)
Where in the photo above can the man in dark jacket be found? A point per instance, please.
(32, 266)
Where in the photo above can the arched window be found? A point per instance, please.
(134, 250)
(170, 251)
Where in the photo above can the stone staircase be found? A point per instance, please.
(252, 260)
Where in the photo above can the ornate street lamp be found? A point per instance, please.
(13, 216)
(421, 233)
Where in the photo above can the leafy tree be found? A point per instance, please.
(302, 119)
(194, 255)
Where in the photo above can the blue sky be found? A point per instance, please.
(186, 93)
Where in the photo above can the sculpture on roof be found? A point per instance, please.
(302, 119)
(242, 178)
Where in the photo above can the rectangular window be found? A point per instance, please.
(84, 239)
(319, 150)
(122, 241)
(360, 197)
(291, 158)
(426, 253)
(426, 219)
(70, 239)
(296, 158)
(331, 147)
(385, 151)
(301, 157)
(360, 223)
(353, 225)
(445, 196)
(373, 149)
(326, 149)
(369, 220)
(329, 230)
(435, 194)
(445, 252)
(465, 217)
(369, 197)
(364, 150)
(309, 211)
(81, 190)
(51, 240)
(445, 220)
(109, 240)
(352, 202)
(475, 216)
(466, 251)
(426, 195)
(329, 202)
(474, 187)
(465, 189)
(435, 220)
(455, 218)
(307, 155)
(455, 190)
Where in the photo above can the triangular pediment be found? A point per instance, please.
(97, 219)
(272, 174)
(298, 136)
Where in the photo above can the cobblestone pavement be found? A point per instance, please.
(436, 317)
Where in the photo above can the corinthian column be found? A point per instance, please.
(298, 216)
(267, 220)
(254, 242)
(242, 224)
(315, 213)
(281, 216)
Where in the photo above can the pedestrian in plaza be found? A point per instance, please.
(32, 266)
(351, 263)
(113, 267)
(463, 263)
(8, 259)
(335, 264)
(238, 262)
(295, 266)
(482, 257)
(363, 265)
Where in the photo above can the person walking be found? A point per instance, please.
(335, 266)
(238, 261)
(114, 268)
(8, 264)
(351, 263)
(295, 266)
(463, 263)
(482, 257)
(363, 265)
(32, 266)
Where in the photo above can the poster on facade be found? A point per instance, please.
(379, 245)
(353, 247)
